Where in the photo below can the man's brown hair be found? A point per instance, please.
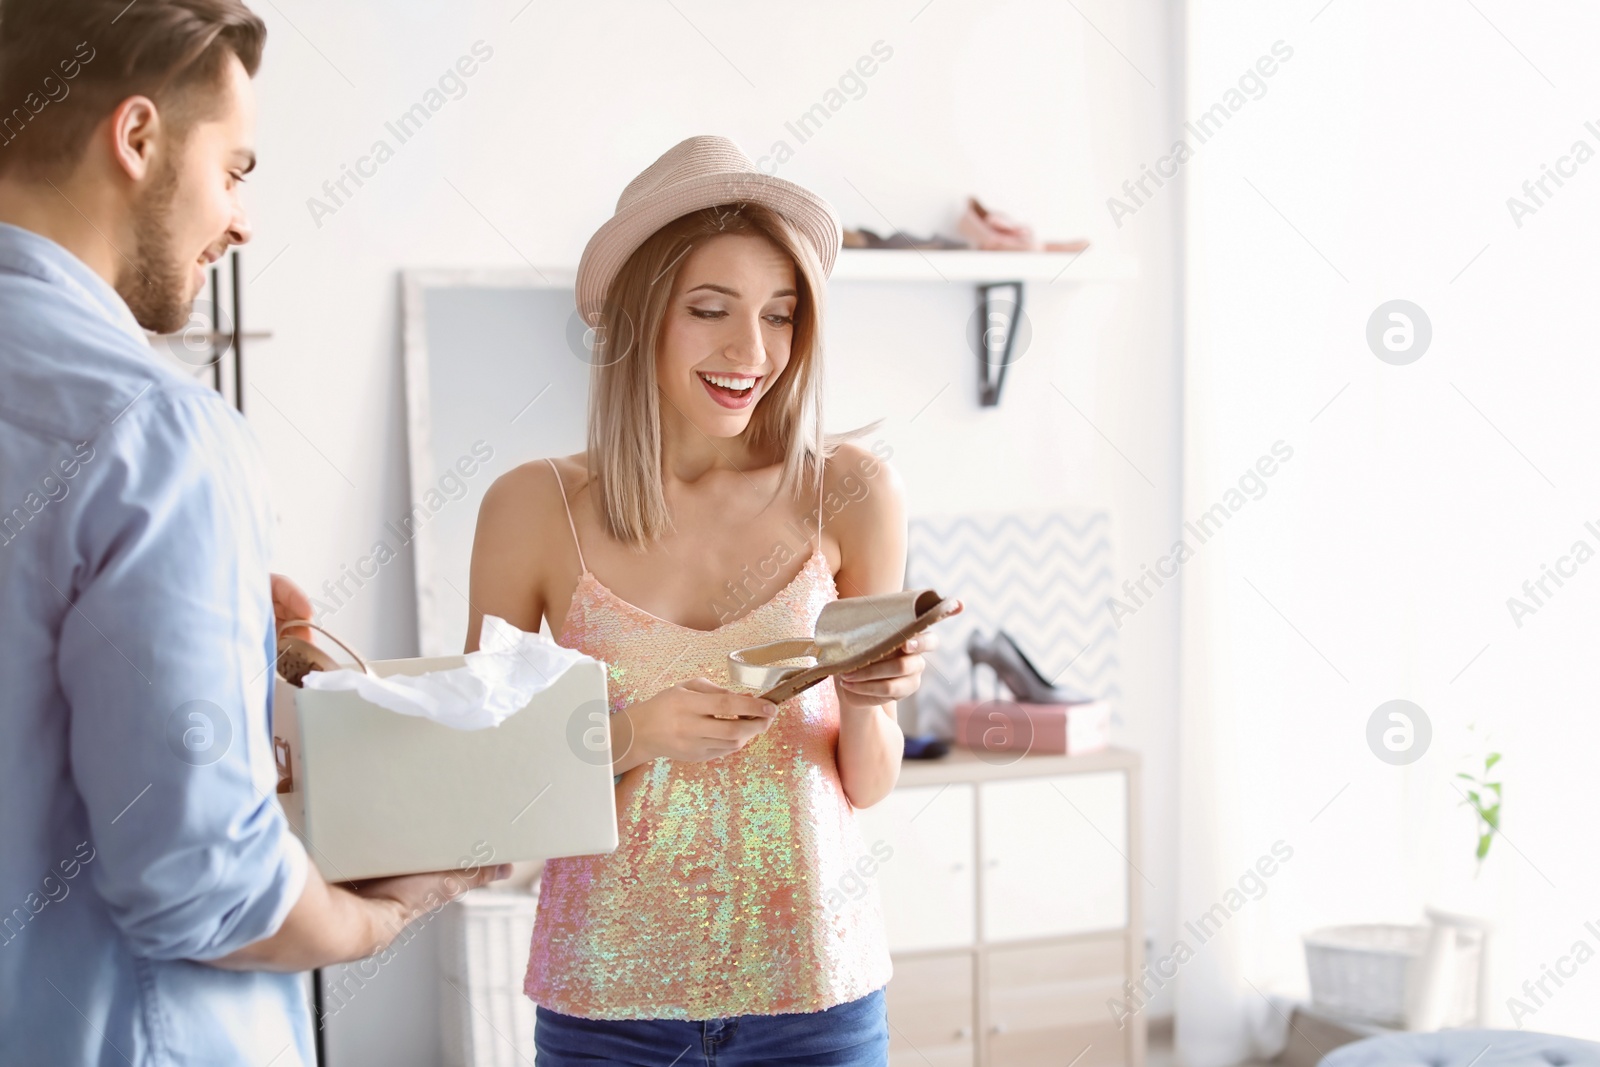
(66, 64)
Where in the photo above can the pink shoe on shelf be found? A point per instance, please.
(991, 231)
(994, 232)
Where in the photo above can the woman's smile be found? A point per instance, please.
(730, 390)
(728, 332)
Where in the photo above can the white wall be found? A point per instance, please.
(1420, 497)
(1043, 109)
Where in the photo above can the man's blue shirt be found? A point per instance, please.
(139, 832)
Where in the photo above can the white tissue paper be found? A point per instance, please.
(509, 669)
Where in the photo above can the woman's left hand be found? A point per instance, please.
(887, 680)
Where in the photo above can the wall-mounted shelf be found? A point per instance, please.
(999, 279)
(906, 265)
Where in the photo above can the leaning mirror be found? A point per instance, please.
(492, 381)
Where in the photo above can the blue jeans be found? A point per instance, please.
(854, 1034)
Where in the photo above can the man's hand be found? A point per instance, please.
(403, 899)
(342, 923)
(290, 602)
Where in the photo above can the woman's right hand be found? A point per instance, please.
(693, 721)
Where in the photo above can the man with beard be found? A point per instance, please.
(153, 904)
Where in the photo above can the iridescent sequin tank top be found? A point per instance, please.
(723, 896)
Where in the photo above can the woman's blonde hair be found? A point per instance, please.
(624, 397)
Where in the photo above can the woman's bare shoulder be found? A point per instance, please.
(532, 486)
(523, 542)
(864, 503)
(523, 507)
(857, 474)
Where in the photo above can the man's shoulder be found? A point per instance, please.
(68, 374)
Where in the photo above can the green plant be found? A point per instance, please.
(1483, 797)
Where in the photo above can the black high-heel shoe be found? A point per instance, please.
(1001, 655)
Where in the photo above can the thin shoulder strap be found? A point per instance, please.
(570, 524)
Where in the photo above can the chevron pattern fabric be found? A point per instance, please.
(1044, 578)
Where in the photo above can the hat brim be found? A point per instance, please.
(624, 232)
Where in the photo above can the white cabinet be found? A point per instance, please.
(1012, 906)
(1047, 1003)
(1053, 855)
(931, 1002)
(929, 872)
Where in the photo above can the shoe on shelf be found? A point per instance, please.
(863, 238)
(1016, 672)
(990, 231)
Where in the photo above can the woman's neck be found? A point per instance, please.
(688, 453)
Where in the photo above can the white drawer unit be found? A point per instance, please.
(1053, 858)
(929, 872)
(1012, 903)
(930, 1001)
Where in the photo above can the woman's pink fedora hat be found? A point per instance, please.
(698, 173)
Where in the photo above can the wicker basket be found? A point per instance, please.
(1365, 972)
(485, 1019)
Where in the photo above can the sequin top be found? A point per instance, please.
(733, 889)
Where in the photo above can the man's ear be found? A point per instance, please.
(135, 128)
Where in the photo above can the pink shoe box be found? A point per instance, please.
(1004, 726)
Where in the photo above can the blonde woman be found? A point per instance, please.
(691, 526)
